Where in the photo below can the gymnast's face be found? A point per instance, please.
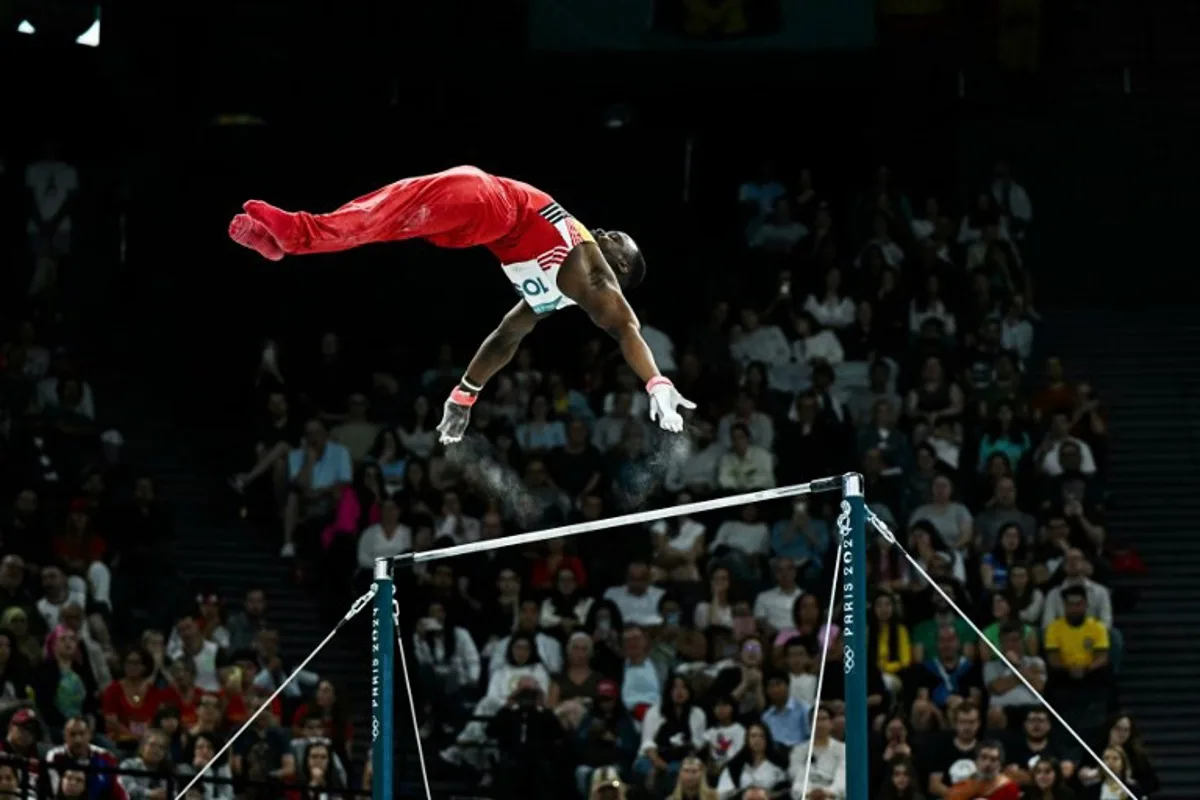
(619, 249)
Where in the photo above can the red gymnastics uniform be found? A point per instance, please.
(464, 206)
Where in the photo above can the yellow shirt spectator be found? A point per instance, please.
(1076, 645)
(889, 662)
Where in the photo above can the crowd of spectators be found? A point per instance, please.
(869, 333)
(114, 683)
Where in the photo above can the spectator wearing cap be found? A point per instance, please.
(77, 750)
(607, 736)
(63, 684)
(21, 741)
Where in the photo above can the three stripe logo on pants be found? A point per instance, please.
(554, 213)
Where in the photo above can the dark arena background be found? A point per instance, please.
(944, 244)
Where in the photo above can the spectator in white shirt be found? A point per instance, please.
(725, 738)
(952, 520)
(746, 466)
(881, 238)
(743, 543)
(385, 539)
(753, 767)
(923, 228)
(832, 308)
(758, 425)
(449, 652)
(661, 346)
(679, 544)
(993, 251)
(929, 303)
(549, 649)
(1012, 199)
(715, 611)
(1049, 456)
(822, 761)
(984, 213)
(813, 343)
(779, 233)
(774, 607)
(609, 430)
(1016, 332)
(758, 342)
(1099, 598)
(697, 472)
(53, 184)
(637, 600)
(454, 524)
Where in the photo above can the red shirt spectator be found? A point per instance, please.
(129, 703)
(77, 546)
(544, 572)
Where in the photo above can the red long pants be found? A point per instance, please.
(460, 207)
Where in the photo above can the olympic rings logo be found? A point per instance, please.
(845, 530)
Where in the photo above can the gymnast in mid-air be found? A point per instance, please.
(549, 257)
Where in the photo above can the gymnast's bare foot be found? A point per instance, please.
(253, 234)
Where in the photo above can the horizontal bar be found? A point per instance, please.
(762, 496)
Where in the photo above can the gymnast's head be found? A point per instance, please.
(622, 254)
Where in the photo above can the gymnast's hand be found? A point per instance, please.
(665, 399)
(456, 414)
